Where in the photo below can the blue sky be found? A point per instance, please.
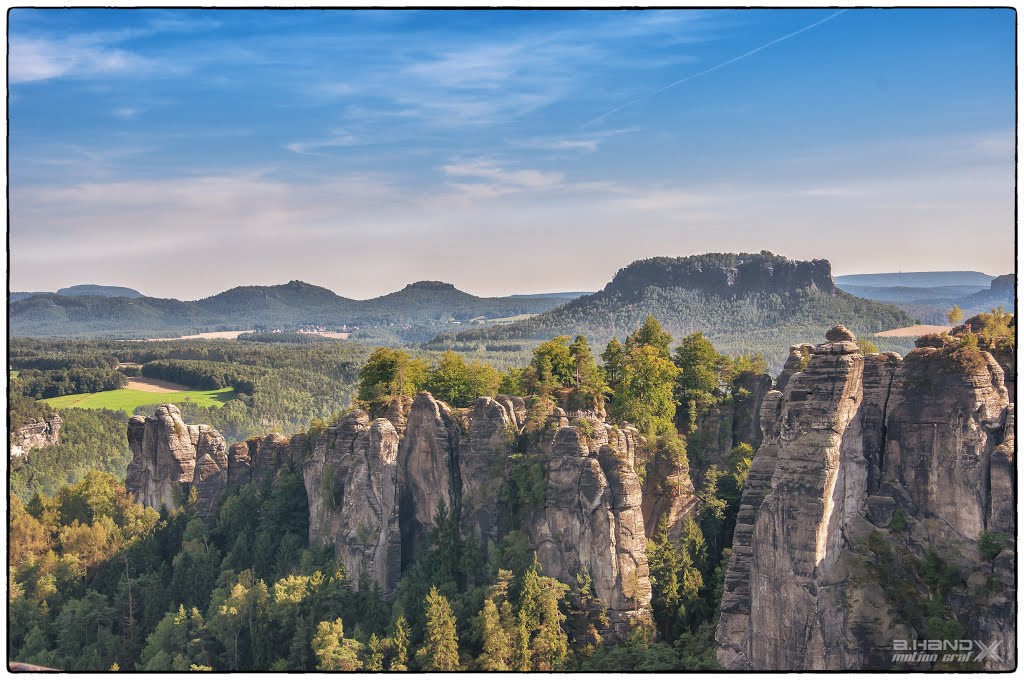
(185, 152)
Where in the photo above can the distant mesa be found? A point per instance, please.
(102, 291)
(430, 285)
(82, 289)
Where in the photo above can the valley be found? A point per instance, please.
(513, 339)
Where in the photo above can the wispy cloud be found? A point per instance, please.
(337, 138)
(587, 143)
(487, 205)
(34, 59)
(483, 178)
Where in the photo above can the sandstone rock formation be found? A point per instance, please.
(871, 469)
(164, 455)
(34, 435)
(592, 519)
(747, 273)
(374, 486)
(352, 486)
(170, 460)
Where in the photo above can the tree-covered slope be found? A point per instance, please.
(286, 306)
(744, 302)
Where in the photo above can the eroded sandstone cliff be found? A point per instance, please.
(872, 510)
(374, 485)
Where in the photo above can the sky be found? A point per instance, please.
(185, 152)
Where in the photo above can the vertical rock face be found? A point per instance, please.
(163, 457)
(869, 466)
(592, 519)
(483, 465)
(731, 423)
(668, 495)
(428, 470)
(798, 516)
(750, 393)
(352, 486)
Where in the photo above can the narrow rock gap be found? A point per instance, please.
(884, 433)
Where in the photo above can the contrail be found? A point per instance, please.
(713, 68)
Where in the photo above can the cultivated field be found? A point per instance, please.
(128, 399)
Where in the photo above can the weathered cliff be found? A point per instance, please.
(593, 520)
(352, 486)
(374, 486)
(171, 460)
(870, 510)
(34, 435)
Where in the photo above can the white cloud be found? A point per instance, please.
(490, 180)
(335, 139)
(587, 143)
(34, 59)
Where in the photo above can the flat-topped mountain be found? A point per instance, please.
(743, 301)
(102, 291)
(83, 289)
(725, 274)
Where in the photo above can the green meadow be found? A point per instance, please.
(128, 400)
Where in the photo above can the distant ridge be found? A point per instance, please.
(287, 306)
(918, 279)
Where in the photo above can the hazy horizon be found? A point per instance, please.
(501, 151)
(270, 281)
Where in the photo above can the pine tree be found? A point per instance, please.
(374, 660)
(613, 357)
(497, 647)
(550, 645)
(521, 661)
(399, 646)
(440, 651)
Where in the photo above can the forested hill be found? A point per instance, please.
(744, 302)
(287, 306)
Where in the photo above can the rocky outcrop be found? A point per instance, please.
(352, 486)
(171, 460)
(34, 435)
(428, 470)
(592, 519)
(374, 486)
(483, 464)
(870, 468)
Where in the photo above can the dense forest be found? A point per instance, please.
(759, 322)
